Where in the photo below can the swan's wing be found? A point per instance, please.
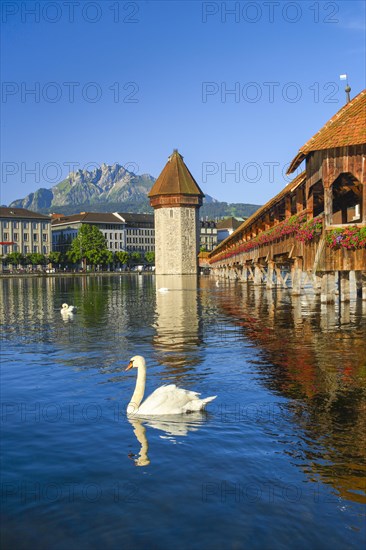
(167, 400)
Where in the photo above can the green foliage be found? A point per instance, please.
(122, 257)
(136, 257)
(90, 246)
(54, 258)
(35, 258)
(150, 257)
(14, 258)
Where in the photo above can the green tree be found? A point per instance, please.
(35, 258)
(54, 258)
(14, 258)
(122, 257)
(90, 247)
(136, 257)
(150, 257)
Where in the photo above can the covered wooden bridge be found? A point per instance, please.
(312, 235)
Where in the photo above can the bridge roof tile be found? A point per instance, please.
(346, 127)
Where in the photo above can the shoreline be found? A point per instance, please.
(68, 274)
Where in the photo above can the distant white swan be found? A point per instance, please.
(163, 289)
(166, 400)
(68, 309)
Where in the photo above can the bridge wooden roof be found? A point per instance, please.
(290, 188)
(175, 179)
(346, 127)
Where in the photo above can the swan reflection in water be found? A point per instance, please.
(171, 426)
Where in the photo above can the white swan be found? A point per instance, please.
(166, 400)
(68, 309)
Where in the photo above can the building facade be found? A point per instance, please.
(24, 231)
(226, 227)
(176, 199)
(122, 232)
(208, 235)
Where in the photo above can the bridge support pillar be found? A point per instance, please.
(257, 275)
(327, 288)
(278, 277)
(270, 270)
(296, 277)
(361, 284)
(244, 274)
(317, 284)
(344, 286)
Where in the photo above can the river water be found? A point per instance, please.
(278, 461)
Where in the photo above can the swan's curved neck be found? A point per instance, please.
(138, 394)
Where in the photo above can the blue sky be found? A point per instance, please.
(237, 87)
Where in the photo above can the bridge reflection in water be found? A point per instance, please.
(314, 355)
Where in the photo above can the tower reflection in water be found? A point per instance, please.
(177, 340)
(177, 345)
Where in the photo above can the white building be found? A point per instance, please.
(128, 232)
(24, 231)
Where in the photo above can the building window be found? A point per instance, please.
(35, 237)
(35, 248)
(45, 237)
(26, 249)
(25, 237)
(35, 225)
(15, 225)
(44, 249)
(44, 225)
(15, 248)
(5, 225)
(25, 225)
(6, 236)
(15, 236)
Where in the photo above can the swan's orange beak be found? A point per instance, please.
(129, 366)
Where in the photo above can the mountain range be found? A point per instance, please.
(112, 188)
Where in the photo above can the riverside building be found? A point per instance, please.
(24, 231)
(122, 232)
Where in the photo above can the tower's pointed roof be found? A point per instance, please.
(175, 179)
(346, 127)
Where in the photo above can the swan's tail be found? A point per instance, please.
(198, 404)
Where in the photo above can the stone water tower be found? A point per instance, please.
(176, 199)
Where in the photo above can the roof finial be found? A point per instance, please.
(347, 88)
(175, 152)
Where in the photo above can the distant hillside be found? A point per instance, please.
(111, 189)
(210, 210)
